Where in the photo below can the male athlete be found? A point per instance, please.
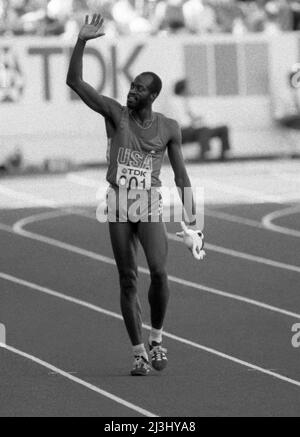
(137, 141)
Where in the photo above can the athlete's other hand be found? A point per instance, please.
(194, 240)
(93, 28)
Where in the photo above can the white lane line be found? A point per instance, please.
(85, 182)
(268, 219)
(97, 257)
(229, 189)
(166, 334)
(79, 381)
(29, 198)
(212, 247)
(246, 256)
(243, 192)
(226, 188)
(233, 218)
(215, 248)
(61, 245)
(58, 295)
(2, 334)
(18, 228)
(36, 218)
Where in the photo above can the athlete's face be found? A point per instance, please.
(139, 95)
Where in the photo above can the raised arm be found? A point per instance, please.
(182, 179)
(107, 107)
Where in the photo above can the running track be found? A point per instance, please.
(229, 324)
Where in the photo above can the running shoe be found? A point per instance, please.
(141, 366)
(158, 356)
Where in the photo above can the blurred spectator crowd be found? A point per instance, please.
(149, 17)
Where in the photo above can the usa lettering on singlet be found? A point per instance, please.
(134, 169)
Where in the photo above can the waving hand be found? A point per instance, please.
(92, 30)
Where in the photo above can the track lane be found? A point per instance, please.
(29, 390)
(206, 321)
(268, 284)
(230, 389)
(240, 309)
(82, 231)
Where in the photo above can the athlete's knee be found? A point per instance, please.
(128, 281)
(159, 277)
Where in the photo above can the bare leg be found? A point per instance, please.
(154, 240)
(124, 244)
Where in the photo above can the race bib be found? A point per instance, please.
(133, 178)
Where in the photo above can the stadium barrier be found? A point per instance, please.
(236, 81)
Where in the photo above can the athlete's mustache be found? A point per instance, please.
(132, 96)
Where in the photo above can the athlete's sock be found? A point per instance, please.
(155, 335)
(140, 350)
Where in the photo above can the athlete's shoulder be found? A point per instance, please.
(172, 129)
(171, 124)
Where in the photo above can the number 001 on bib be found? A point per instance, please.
(133, 178)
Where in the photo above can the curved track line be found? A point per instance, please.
(18, 228)
(78, 381)
(212, 247)
(268, 219)
(254, 195)
(215, 248)
(166, 334)
(232, 218)
(95, 256)
(36, 218)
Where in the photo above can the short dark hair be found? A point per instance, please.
(156, 84)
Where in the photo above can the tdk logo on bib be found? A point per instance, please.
(133, 172)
